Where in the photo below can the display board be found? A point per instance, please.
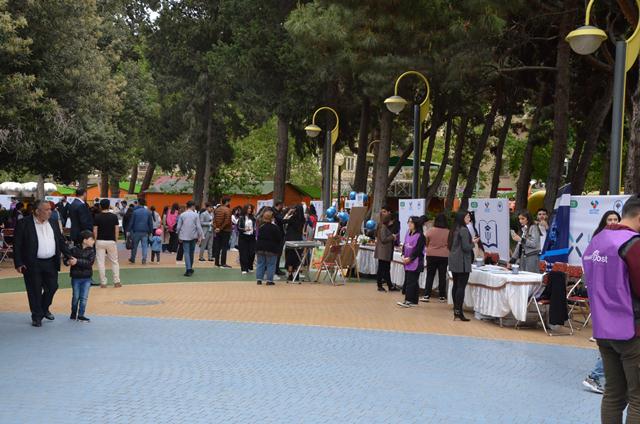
(492, 224)
(264, 203)
(356, 218)
(585, 215)
(324, 230)
(406, 209)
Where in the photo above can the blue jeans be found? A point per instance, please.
(139, 238)
(80, 295)
(189, 248)
(598, 372)
(266, 264)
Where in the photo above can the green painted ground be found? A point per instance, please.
(147, 275)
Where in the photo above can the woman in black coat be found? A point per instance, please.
(247, 239)
(294, 220)
(267, 248)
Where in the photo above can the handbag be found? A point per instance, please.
(128, 244)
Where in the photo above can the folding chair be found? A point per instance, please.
(6, 246)
(576, 296)
(330, 261)
(543, 304)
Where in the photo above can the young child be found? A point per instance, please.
(81, 273)
(156, 245)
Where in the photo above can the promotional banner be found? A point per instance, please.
(407, 209)
(556, 244)
(492, 224)
(5, 200)
(318, 205)
(586, 212)
(263, 203)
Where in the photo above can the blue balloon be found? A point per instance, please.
(352, 195)
(331, 212)
(365, 197)
(343, 217)
(370, 225)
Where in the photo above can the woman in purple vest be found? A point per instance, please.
(413, 259)
(460, 260)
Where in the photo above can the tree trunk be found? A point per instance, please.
(604, 184)
(526, 169)
(40, 187)
(198, 180)
(426, 170)
(83, 182)
(561, 108)
(114, 186)
(594, 123)
(206, 177)
(497, 171)
(134, 179)
(632, 174)
(148, 176)
(457, 159)
(478, 154)
(104, 184)
(360, 180)
(437, 181)
(282, 149)
(382, 163)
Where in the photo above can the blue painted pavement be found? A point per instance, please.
(144, 370)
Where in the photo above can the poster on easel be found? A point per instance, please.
(324, 230)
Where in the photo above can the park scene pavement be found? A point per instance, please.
(219, 348)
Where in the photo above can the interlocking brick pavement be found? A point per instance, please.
(146, 370)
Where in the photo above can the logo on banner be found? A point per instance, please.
(594, 207)
(500, 206)
(474, 205)
(574, 244)
(402, 204)
(617, 206)
(595, 257)
(574, 204)
(489, 231)
(486, 207)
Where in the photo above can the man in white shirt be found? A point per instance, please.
(37, 246)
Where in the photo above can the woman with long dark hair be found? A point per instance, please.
(437, 238)
(527, 251)
(295, 221)
(609, 218)
(172, 221)
(460, 259)
(384, 253)
(247, 239)
(413, 260)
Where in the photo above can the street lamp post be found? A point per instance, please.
(586, 40)
(331, 137)
(396, 104)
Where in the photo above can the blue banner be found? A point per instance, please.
(556, 245)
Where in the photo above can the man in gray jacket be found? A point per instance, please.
(206, 220)
(189, 232)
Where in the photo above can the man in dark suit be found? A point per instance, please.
(81, 217)
(37, 246)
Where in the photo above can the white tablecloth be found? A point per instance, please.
(496, 292)
(367, 264)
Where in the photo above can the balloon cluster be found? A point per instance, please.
(343, 217)
(370, 225)
(331, 213)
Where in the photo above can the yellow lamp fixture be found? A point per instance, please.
(396, 103)
(313, 130)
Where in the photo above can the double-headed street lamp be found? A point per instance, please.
(586, 40)
(396, 104)
(331, 137)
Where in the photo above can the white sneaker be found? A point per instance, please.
(405, 304)
(425, 298)
(244, 272)
(591, 339)
(276, 278)
(593, 385)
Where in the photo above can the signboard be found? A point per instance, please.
(585, 215)
(318, 205)
(324, 230)
(492, 224)
(407, 209)
(264, 203)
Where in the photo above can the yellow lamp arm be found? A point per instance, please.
(336, 129)
(424, 106)
(633, 43)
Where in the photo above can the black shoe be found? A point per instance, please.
(84, 319)
(225, 266)
(202, 259)
(460, 315)
(393, 288)
(259, 282)
(189, 273)
(381, 289)
(280, 272)
(290, 277)
(95, 283)
(270, 283)
(72, 317)
(210, 260)
(36, 323)
(48, 315)
(442, 299)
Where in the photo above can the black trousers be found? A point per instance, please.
(247, 250)
(411, 286)
(460, 280)
(173, 242)
(41, 281)
(220, 247)
(384, 273)
(439, 264)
